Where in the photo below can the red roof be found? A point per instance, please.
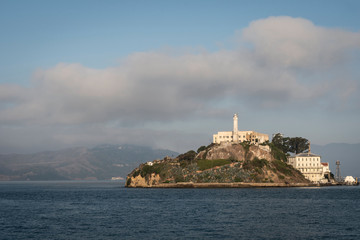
(325, 163)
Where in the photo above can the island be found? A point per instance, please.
(224, 164)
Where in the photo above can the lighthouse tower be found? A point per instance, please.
(235, 129)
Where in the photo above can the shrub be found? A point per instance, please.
(188, 156)
(256, 164)
(277, 153)
(204, 164)
(259, 163)
(238, 179)
(282, 167)
(147, 169)
(179, 178)
(136, 173)
(202, 148)
(128, 181)
(232, 159)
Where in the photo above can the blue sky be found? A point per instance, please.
(171, 73)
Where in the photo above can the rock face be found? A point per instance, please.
(225, 164)
(236, 152)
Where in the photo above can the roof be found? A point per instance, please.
(307, 155)
(325, 164)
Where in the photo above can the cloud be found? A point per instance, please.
(298, 43)
(290, 62)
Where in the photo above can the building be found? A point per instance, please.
(326, 169)
(237, 136)
(349, 180)
(310, 166)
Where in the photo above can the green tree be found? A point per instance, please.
(188, 156)
(298, 145)
(202, 148)
(281, 143)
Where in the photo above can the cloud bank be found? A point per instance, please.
(279, 62)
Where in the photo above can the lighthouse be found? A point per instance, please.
(237, 136)
(235, 129)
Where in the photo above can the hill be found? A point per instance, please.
(98, 163)
(223, 163)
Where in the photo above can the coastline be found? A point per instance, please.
(229, 185)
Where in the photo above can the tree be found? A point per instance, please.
(281, 143)
(298, 145)
(202, 148)
(188, 156)
(286, 144)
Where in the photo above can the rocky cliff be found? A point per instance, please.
(224, 163)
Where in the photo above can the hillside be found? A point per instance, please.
(218, 163)
(98, 163)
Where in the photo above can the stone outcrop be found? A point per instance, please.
(236, 152)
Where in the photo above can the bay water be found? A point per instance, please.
(108, 210)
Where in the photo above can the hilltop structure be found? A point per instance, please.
(310, 166)
(237, 136)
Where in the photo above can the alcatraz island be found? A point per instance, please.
(237, 159)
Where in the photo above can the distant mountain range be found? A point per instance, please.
(347, 154)
(107, 161)
(98, 163)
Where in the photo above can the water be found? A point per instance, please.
(107, 210)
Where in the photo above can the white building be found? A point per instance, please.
(237, 136)
(349, 180)
(310, 166)
(326, 169)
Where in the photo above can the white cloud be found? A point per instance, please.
(160, 87)
(298, 43)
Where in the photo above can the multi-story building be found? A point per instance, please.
(310, 166)
(237, 136)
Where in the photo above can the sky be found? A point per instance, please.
(169, 74)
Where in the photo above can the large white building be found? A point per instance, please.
(310, 166)
(237, 136)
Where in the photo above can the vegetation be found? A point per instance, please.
(277, 153)
(128, 182)
(286, 144)
(188, 156)
(187, 168)
(255, 164)
(204, 164)
(246, 146)
(282, 167)
(147, 169)
(202, 148)
(298, 145)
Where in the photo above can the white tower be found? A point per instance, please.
(235, 129)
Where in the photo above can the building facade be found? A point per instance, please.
(310, 166)
(237, 136)
(326, 169)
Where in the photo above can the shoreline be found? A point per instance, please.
(230, 185)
